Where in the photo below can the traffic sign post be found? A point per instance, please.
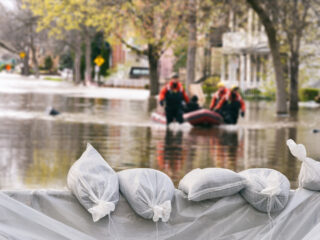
(97, 71)
(22, 55)
(98, 61)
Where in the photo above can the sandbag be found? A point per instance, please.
(208, 183)
(148, 191)
(94, 183)
(309, 176)
(267, 190)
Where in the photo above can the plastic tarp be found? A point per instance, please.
(55, 214)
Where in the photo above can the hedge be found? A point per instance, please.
(308, 94)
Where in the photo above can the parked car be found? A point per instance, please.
(139, 72)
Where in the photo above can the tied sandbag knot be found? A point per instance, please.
(101, 209)
(272, 185)
(297, 150)
(162, 211)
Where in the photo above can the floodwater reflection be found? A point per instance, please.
(37, 150)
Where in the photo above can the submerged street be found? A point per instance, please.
(38, 149)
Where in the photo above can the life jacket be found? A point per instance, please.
(217, 97)
(173, 95)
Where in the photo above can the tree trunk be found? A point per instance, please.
(281, 95)
(77, 64)
(192, 44)
(281, 98)
(153, 58)
(35, 62)
(294, 79)
(88, 60)
(26, 70)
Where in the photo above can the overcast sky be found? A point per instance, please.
(8, 3)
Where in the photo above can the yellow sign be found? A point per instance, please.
(22, 54)
(99, 60)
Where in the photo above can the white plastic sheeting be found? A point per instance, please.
(52, 214)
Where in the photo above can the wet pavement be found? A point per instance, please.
(37, 150)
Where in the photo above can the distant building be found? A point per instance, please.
(245, 52)
(237, 50)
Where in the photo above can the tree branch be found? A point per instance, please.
(133, 48)
(3, 45)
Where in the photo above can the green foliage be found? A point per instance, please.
(48, 63)
(180, 52)
(268, 90)
(66, 61)
(102, 48)
(257, 94)
(2, 67)
(210, 85)
(98, 47)
(308, 94)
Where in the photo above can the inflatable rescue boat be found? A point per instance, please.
(201, 117)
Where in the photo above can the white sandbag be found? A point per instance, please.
(267, 190)
(309, 176)
(94, 183)
(148, 191)
(208, 183)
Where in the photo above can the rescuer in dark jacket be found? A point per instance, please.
(173, 96)
(193, 105)
(230, 106)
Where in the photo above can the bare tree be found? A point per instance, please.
(192, 41)
(294, 20)
(156, 25)
(267, 12)
(19, 32)
(285, 23)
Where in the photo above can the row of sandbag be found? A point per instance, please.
(150, 192)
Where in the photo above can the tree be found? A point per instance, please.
(269, 19)
(202, 15)
(19, 32)
(294, 20)
(285, 23)
(155, 26)
(61, 17)
(192, 42)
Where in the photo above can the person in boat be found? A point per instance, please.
(173, 97)
(193, 105)
(52, 112)
(230, 105)
(218, 95)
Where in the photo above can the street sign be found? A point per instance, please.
(22, 55)
(99, 60)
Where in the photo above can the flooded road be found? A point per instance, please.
(37, 150)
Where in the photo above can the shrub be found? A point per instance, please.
(48, 63)
(210, 85)
(308, 94)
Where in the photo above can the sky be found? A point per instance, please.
(8, 3)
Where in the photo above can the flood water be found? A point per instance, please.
(37, 150)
